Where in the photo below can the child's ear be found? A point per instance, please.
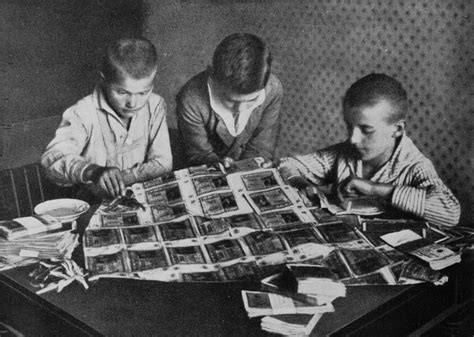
(399, 128)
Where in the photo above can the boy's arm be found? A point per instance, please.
(159, 158)
(62, 158)
(195, 140)
(312, 168)
(264, 140)
(64, 164)
(424, 195)
(428, 197)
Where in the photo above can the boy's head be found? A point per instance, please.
(128, 70)
(241, 66)
(374, 111)
(129, 57)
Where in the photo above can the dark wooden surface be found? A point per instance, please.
(121, 307)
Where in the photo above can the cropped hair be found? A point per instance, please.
(134, 57)
(242, 63)
(371, 89)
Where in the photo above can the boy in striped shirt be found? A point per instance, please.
(378, 159)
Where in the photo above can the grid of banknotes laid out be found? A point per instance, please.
(208, 224)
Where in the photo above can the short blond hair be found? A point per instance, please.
(134, 57)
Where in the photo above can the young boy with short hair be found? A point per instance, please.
(378, 159)
(231, 111)
(118, 135)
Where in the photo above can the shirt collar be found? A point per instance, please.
(399, 151)
(227, 115)
(101, 103)
(403, 153)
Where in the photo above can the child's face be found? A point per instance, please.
(370, 133)
(235, 102)
(129, 95)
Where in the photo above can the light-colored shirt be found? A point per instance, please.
(90, 132)
(418, 188)
(235, 124)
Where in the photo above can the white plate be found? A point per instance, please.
(367, 211)
(65, 210)
(365, 206)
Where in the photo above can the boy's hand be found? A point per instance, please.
(111, 181)
(292, 179)
(291, 176)
(267, 163)
(313, 194)
(227, 162)
(108, 179)
(354, 187)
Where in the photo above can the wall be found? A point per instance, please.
(320, 47)
(49, 56)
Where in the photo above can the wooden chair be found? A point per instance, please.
(25, 187)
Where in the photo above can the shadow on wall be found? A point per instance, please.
(52, 49)
(91, 26)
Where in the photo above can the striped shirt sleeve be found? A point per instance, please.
(424, 194)
(314, 167)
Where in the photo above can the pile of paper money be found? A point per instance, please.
(437, 256)
(28, 240)
(295, 299)
(291, 325)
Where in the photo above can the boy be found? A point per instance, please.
(117, 135)
(232, 110)
(378, 159)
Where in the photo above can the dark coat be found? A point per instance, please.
(204, 135)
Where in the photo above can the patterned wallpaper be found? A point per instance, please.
(321, 47)
(424, 44)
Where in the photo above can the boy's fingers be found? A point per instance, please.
(120, 184)
(104, 184)
(117, 183)
(227, 161)
(267, 163)
(360, 186)
(311, 190)
(111, 181)
(345, 189)
(110, 186)
(349, 186)
(115, 186)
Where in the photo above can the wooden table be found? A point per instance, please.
(121, 307)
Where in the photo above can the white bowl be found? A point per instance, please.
(364, 206)
(65, 210)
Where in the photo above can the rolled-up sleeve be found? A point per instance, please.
(62, 158)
